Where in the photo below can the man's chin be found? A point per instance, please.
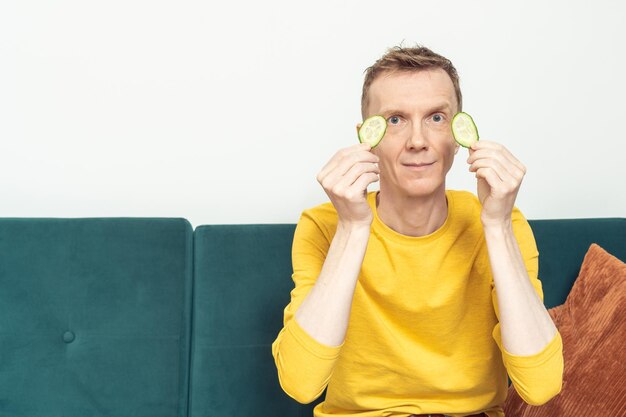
(422, 188)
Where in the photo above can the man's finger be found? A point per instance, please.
(345, 158)
(500, 150)
(496, 166)
(357, 170)
(360, 185)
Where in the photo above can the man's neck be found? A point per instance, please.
(413, 215)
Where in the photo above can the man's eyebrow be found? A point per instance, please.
(391, 111)
(440, 107)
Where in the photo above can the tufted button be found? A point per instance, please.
(68, 337)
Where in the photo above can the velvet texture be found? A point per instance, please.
(242, 284)
(94, 317)
(562, 245)
(592, 323)
(95, 313)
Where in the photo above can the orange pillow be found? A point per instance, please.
(592, 323)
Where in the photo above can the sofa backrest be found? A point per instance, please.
(242, 283)
(94, 317)
(96, 314)
(562, 247)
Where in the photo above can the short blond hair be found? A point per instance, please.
(402, 59)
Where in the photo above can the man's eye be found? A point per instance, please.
(394, 120)
(437, 118)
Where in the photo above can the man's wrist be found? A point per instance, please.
(500, 228)
(351, 228)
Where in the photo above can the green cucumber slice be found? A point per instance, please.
(464, 129)
(372, 130)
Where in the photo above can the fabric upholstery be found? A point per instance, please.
(242, 283)
(94, 317)
(95, 313)
(592, 323)
(562, 245)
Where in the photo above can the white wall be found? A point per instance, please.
(224, 112)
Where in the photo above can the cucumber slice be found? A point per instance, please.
(372, 130)
(464, 129)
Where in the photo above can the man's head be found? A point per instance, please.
(417, 92)
(399, 59)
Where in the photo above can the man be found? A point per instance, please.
(416, 300)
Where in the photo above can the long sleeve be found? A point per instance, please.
(304, 365)
(537, 378)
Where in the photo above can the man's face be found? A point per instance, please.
(418, 148)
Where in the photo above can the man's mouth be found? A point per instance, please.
(418, 165)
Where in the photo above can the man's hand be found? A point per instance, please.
(499, 176)
(345, 179)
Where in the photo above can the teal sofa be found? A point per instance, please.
(147, 317)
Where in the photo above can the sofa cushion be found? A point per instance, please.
(242, 282)
(562, 245)
(94, 317)
(592, 323)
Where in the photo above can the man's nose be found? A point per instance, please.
(417, 137)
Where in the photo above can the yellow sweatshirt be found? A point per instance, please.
(423, 335)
